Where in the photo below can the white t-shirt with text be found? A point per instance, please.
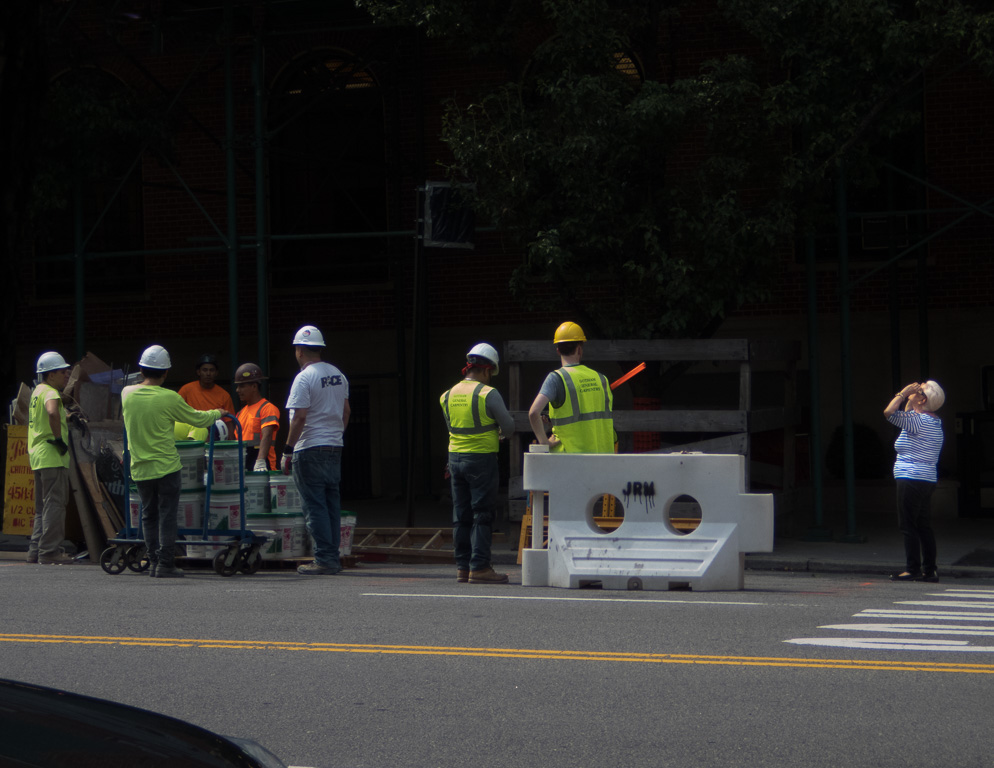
(322, 389)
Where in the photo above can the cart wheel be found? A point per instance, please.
(251, 560)
(137, 558)
(221, 565)
(112, 560)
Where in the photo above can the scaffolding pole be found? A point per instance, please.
(229, 140)
(261, 276)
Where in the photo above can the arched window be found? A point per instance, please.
(89, 181)
(327, 171)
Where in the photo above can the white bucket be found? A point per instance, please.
(204, 551)
(273, 548)
(134, 506)
(225, 510)
(300, 541)
(348, 533)
(285, 532)
(283, 493)
(191, 509)
(225, 464)
(192, 464)
(190, 513)
(256, 493)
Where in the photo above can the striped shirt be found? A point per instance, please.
(918, 446)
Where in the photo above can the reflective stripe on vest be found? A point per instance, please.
(250, 437)
(583, 422)
(471, 430)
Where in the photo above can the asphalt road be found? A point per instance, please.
(398, 665)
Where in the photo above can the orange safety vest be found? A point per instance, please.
(253, 419)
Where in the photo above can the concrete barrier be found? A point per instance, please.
(646, 551)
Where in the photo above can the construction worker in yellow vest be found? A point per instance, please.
(476, 418)
(48, 453)
(579, 400)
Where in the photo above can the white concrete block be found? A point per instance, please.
(646, 551)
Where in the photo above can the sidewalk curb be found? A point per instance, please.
(795, 565)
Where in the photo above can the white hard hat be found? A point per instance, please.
(156, 358)
(51, 361)
(222, 430)
(309, 336)
(486, 353)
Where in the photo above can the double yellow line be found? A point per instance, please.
(500, 653)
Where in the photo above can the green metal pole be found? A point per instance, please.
(418, 415)
(261, 272)
(78, 261)
(894, 300)
(923, 348)
(846, 355)
(819, 531)
(229, 131)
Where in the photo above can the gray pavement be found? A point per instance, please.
(965, 545)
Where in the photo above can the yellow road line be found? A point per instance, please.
(502, 653)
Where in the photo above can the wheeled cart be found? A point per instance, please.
(241, 547)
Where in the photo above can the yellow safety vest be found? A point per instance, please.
(583, 423)
(41, 453)
(471, 430)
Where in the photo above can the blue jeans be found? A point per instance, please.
(317, 473)
(474, 498)
(160, 507)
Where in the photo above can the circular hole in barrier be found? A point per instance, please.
(607, 513)
(683, 514)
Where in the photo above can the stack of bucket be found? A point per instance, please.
(282, 522)
(285, 521)
(224, 510)
(348, 533)
(191, 497)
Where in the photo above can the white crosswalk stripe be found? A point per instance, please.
(956, 613)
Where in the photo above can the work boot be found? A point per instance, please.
(462, 576)
(59, 558)
(168, 572)
(487, 576)
(316, 569)
(31, 558)
(153, 567)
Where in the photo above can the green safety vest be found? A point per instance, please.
(41, 453)
(583, 422)
(471, 430)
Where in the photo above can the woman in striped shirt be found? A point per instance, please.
(918, 447)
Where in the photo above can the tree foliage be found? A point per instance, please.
(677, 193)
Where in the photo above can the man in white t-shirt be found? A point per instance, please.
(319, 413)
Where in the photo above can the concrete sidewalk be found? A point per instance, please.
(965, 545)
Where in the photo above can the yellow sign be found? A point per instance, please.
(19, 484)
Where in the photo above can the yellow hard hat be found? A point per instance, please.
(568, 332)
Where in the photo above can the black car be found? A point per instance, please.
(49, 728)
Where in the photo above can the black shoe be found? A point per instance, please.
(168, 572)
(932, 577)
(906, 576)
